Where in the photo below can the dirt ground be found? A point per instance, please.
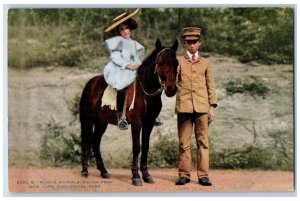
(70, 180)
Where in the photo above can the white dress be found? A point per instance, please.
(123, 51)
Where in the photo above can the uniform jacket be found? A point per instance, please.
(123, 51)
(195, 86)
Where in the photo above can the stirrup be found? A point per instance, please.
(123, 124)
(157, 122)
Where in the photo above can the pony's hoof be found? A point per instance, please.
(148, 179)
(84, 174)
(105, 175)
(136, 182)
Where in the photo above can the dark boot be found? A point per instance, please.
(121, 107)
(123, 124)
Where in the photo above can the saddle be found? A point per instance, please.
(114, 99)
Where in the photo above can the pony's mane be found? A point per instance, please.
(148, 64)
(147, 68)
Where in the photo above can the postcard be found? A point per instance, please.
(197, 99)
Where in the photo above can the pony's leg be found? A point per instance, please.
(146, 131)
(86, 143)
(97, 136)
(135, 131)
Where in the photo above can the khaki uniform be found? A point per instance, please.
(195, 94)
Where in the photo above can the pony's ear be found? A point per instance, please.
(175, 46)
(158, 44)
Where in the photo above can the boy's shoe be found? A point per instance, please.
(204, 181)
(182, 181)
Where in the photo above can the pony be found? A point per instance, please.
(156, 74)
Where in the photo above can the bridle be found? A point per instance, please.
(162, 86)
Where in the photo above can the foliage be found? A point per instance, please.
(74, 37)
(61, 145)
(164, 152)
(253, 88)
(73, 106)
(59, 148)
(254, 156)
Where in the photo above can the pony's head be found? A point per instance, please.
(166, 67)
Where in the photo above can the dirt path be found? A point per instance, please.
(69, 180)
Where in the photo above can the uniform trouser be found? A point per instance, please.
(186, 121)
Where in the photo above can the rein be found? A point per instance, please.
(158, 91)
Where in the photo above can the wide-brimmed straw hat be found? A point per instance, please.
(120, 19)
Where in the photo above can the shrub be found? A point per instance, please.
(164, 152)
(252, 157)
(73, 106)
(253, 88)
(59, 147)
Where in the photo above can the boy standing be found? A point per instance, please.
(195, 103)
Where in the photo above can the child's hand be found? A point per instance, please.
(132, 66)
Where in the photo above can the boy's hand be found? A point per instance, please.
(211, 114)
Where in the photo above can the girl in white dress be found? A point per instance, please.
(126, 55)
